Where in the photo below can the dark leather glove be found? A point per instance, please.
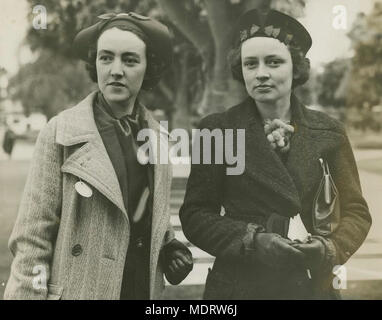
(277, 252)
(314, 252)
(177, 261)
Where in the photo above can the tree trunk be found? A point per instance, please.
(223, 91)
(181, 117)
(213, 43)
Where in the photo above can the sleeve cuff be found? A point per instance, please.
(247, 247)
(330, 259)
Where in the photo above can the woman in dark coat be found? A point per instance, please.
(243, 220)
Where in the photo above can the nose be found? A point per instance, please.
(116, 68)
(262, 72)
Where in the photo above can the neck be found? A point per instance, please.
(121, 109)
(279, 109)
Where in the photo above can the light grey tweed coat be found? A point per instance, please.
(80, 242)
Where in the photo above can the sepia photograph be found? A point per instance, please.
(191, 150)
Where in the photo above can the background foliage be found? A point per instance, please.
(199, 81)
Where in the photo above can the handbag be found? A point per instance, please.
(326, 205)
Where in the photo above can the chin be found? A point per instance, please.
(267, 97)
(112, 97)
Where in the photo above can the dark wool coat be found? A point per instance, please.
(267, 189)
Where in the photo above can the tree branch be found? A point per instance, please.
(254, 4)
(132, 5)
(219, 21)
(166, 91)
(193, 30)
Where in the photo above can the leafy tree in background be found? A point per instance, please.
(353, 86)
(365, 84)
(199, 81)
(49, 84)
(330, 81)
(3, 93)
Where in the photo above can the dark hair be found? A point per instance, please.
(301, 64)
(154, 69)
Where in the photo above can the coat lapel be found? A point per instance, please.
(160, 183)
(312, 140)
(90, 162)
(263, 165)
(161, 189)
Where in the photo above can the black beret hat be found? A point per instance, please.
(274, 24)
(157, 34)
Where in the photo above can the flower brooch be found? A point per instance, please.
(278, 133)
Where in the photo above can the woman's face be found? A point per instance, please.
(121, 65)
(267, 69)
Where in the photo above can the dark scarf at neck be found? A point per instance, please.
(127, 122)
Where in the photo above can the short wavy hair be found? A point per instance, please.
(154, 69)
(301, 64)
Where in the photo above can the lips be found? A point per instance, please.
(116, 84)
(263, 86)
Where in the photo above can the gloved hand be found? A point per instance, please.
(314, 252)
(277, 252)
(177, 260)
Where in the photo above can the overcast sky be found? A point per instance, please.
(328, 43)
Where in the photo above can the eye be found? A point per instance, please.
(131, 61)
(106, 58)
(274, 62)
(250, 64)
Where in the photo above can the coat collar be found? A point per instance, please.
(286, 181)
(90, 162)
(80, 125)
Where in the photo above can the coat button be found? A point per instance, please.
(76, 250)
(139, 243)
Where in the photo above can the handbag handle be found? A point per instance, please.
(326, 172)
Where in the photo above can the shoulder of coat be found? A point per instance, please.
(322, 121)
(49, 130)
(221, 119)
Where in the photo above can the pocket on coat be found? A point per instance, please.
(218, 287)
(54, 292)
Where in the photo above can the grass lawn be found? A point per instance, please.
(371, 165)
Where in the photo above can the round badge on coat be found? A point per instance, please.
(83, 189)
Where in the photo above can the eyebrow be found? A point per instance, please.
(112, 53)
(267, 57)
(274, 56)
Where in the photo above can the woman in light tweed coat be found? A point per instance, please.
(94, 223)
